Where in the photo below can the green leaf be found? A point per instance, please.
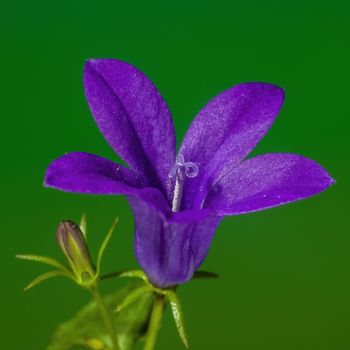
(86, 329)
(104, 245)
(44, 260)
(205, 274)
(178, 315)
(46, 276)
(133, 297)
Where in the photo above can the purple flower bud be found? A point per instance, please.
(72, 243)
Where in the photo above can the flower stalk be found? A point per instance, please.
(105, 314)
(155, 321)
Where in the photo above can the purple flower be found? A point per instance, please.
(179, 200)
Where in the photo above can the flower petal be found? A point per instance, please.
(132, 116)
(266, 181)
(226, 130)
(170, 246)
(162, 249)
(202, 236)
(87, 173)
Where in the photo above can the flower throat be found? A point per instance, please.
(180, 170)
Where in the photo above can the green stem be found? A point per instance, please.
(106, 316)
(154, 323)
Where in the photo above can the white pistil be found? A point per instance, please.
(178, 190)
(181, 169)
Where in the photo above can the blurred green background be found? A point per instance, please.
(284, 272)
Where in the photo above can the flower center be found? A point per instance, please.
(180, 170)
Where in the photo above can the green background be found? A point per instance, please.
(284, 272)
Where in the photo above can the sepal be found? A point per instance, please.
(46, 276)
(43, 259)
(133, 297)
(168, 295)
(204, 274)
(83, 226)
(127, 273)
(103, 247)
(178, 316)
